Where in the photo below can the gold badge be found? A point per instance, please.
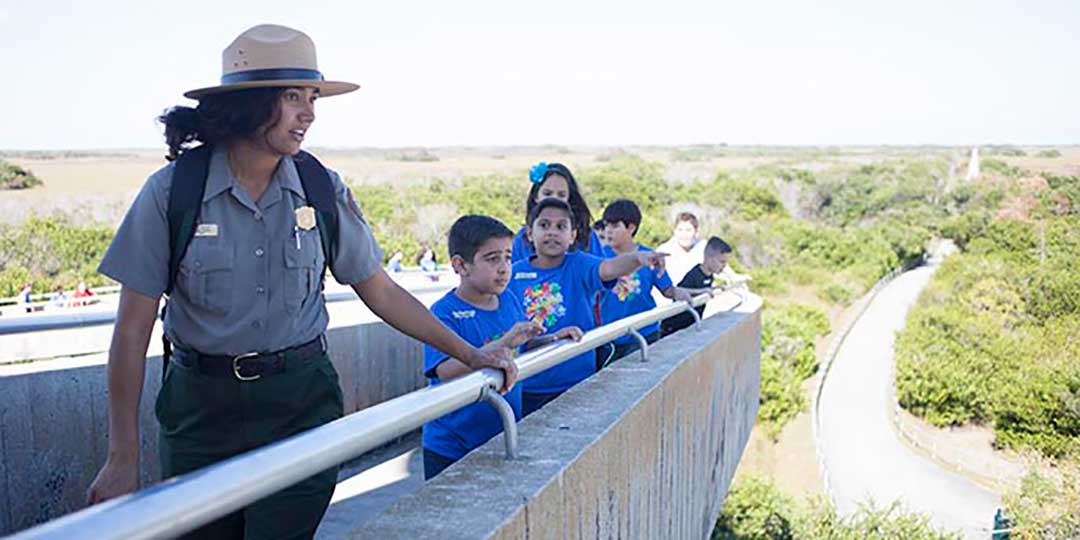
(305, 218)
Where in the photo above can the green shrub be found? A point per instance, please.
(836, 293)
(421, 155)
(1046, 506)
(993, 337)
(50, 251)
(996, 166)
(1009, 151)
(755, 509)
(696, 153)
(1051, 153)
(895, 188)
(15, 177)
(1063, 198)
(788, 337)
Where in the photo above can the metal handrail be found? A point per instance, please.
(184, 503)
(43, 298)
(105, 313)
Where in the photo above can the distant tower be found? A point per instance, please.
(973, 164)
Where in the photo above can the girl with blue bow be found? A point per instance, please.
(556, 181)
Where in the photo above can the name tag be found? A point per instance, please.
(206, 229)
(467, 314)
(525, 275)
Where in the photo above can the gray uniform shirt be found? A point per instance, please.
(245, 283)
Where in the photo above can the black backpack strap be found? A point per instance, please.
(185, 202)
(166, 355)
(319, 190)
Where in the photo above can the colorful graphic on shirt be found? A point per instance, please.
(544, 303)
(627, 288)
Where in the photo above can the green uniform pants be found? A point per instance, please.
(205, 419)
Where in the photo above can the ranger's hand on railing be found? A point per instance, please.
(500, 359)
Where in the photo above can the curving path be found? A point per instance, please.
(863, 456)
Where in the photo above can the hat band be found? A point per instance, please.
(253, 75)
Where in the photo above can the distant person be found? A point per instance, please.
(82, 293)
(684, 249)
(601, 234)
(395, 262)
(427, 260)
(245, 361)
(428, 264)
(485, 314)
(58, 298)
(556, 181)
(700, 280)
(633, 293)
(24, 297)
(557, 287)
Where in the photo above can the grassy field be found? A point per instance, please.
(97, 186)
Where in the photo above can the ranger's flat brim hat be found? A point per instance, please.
(270, 55)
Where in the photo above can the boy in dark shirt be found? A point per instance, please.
(698, 280)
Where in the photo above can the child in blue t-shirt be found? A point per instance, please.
(633, 293)
(556, 181)
(556, 287)
(486, 315)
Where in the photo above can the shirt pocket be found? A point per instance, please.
(301, 281)
(210, 278)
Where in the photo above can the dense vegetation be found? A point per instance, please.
(15, 177)
(1047, 506)
(755, 509)
(50, 252)
(810, 239)
(994, 338)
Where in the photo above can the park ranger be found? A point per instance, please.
(237, 233)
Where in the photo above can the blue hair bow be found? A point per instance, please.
(537, 172)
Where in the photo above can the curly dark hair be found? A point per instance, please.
(580, 210)
(219, 118)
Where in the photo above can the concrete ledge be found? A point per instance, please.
(642, 450)
(54, 417)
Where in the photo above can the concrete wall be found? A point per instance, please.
(638, 451)
(54, 426)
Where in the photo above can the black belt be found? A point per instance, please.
(249, 366)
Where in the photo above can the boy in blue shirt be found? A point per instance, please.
(486, 315)
(556, 287)
(633, 293)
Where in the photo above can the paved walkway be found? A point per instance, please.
(864, 456)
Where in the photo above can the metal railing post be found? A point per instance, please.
(506, 413)
(693, 313)
(642, 342)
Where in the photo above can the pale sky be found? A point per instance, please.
(94, 74)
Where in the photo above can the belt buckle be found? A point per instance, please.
(236, 367)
